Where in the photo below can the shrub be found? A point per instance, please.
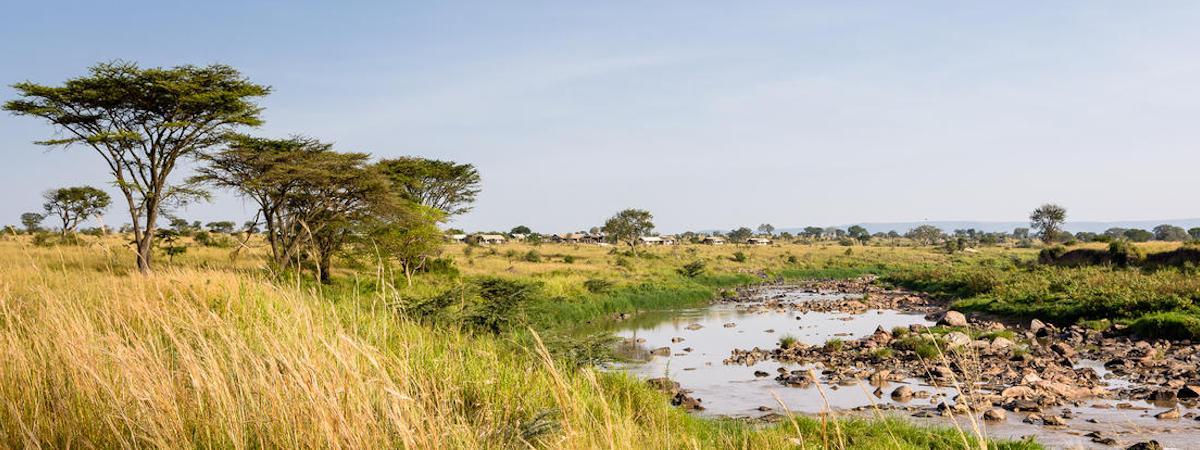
(1124, 253)
(791, 259)
(739, 256)
(444, 266)
(569, 259)
(834, 344)
(597, 285)
(692, 269)
(1051, 254)
(788, 341)
(532, 256)
(1167, 325)
(500, 304)
(927, 350)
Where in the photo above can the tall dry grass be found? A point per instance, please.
(194, 356)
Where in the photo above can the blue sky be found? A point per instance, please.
(709, 114)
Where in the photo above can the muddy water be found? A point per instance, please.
(737, 391)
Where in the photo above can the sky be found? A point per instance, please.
(711, 115)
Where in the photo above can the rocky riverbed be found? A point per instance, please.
(855, 347)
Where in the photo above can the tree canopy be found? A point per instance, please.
(445, 185)
(32, 221)
(142, 122)
(73, 205)
(1048, 220)
(629, 225)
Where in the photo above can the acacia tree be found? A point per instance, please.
(405, 232)
(859, 233)
(32, 221)
(1048, 220)
(766, 229)
(629, 225)
(73, 205)
(309, 195)
(740, 234)
(925, 234)
(143, 122)
(445, 185)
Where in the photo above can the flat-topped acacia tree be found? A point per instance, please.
(143, 122)
(73, 205)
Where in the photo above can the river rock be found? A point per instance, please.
(1169, 414)
(730, 325)
(902, 393)
(1053, 421)
(676, 340)
(661, 351)
(953, 319)
(1189, 391)
(1148, 445)
(957, 339)
(995, 415)
(1001, 343)
(694, 327)
(1037, 327)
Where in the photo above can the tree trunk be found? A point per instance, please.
(145, 245)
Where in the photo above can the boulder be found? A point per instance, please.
(902, 393)
(1001, 343)
(995, 415)
(953, 319)
(1148, 445)
(1169, 414)
(957, 339)
(1036, 327)
(1053, 421)
(1017, 392)
(694, 327)
(1189, 391)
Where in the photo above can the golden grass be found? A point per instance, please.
(206, 353)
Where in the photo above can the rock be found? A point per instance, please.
(902, 393)
(1148, 445)
(953, 319)
(661, 351)
(1104, 440)
(730, 325)
(957, 339)
(942, 372)
(694, 327)
(1033, 418)
(676, 340)
(1189, 391)
(1017, 392)
(1001, 342)
(760, 374)
(764, 408)
(1054, 421)
(1063, 349)
(1036, 326)
(1169, 414)
(687, 349)
(995, 415)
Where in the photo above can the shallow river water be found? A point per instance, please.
(736, 391)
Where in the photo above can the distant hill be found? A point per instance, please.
(951, 225)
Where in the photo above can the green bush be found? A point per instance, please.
(1167, 325)
(569, 259)
(598, 285)
(692, 269)
(739, 256)
(1124, 253)
(532, 256)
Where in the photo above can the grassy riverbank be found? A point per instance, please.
(1161, 302)
(209, 353)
